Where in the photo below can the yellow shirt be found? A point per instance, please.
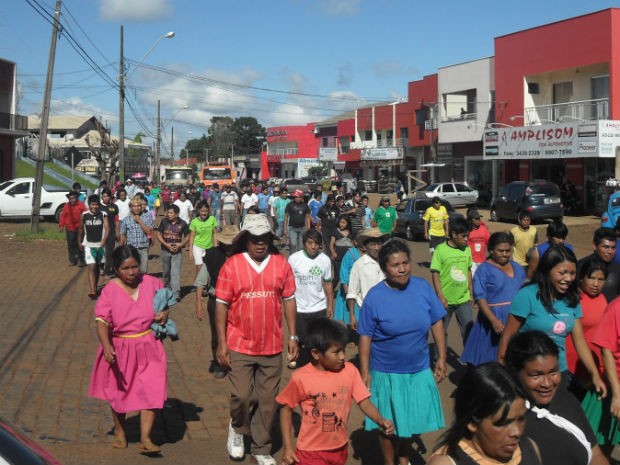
(524, 241)
(436, 219)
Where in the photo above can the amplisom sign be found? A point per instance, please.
(564, 140)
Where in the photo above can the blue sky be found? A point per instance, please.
(281, 61)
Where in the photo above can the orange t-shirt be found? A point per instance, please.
(325, 401)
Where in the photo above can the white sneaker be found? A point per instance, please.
(264, 459)
(234, 444)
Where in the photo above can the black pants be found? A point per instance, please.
(75, 256)
(108, 268)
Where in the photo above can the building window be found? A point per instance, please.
(459, 105)
(600, 93)
(562, 94)
(367, 135)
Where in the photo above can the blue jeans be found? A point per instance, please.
(295, 239)
(171, 267)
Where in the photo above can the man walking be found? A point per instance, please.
(135, 230)
(230, 206)
(252, 288)
(70, 218)
(385, 216)
(173, 234)
(297, 220)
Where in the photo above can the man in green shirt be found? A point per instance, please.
(385, 216)
(451, 276)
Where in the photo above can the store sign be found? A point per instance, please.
(304, 164)
(566, 140)
(388, 153)
(328, 154)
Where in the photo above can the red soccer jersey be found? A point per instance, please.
(477, 242)
(254, 296)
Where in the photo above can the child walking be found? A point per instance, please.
(323, 389)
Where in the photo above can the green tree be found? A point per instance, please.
(249, 135)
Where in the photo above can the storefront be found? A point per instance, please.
(582, 153)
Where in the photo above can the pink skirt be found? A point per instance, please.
(137, 379)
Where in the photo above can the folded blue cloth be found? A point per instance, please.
(165, 298)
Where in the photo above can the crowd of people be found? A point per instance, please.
(538, 335)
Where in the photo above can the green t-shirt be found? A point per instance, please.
(204, 231)
(453, 266)
(385, 219)
(155, 191)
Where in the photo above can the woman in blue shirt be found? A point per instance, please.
(394, 324)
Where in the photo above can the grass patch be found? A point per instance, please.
(48, 233)
(26, 170)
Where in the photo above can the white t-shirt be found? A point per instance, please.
(310, 274)
(185, 209)
(123, 208)
(229, 200)
(249, 200)
(272, 210)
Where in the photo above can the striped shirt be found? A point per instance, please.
(254, 296)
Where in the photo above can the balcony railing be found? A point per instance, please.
(13, 122)
(391, 143)
(282, 152)
(575, 111)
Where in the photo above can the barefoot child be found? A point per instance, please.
(323, 389)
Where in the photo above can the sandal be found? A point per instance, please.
(147, 447)
(119, 443)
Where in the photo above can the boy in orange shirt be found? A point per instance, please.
(323, 389)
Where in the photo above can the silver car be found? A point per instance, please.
(457, 193)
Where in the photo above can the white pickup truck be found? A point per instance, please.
(16, 198)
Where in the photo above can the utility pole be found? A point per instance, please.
(158, 150)
(172, 145)
(121, 112)
(45, 113)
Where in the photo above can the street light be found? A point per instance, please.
(121, 100)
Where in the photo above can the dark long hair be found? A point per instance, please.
(122, 253)
(555, 255)
(526, 346)
(484, 391)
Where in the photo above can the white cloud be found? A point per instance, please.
(340, 7)
(134, 10)
(77, 106)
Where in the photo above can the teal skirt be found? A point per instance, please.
(410, 400)
(604, 425)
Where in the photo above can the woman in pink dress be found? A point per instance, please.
(130, 368)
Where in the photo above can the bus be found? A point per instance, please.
(220, 174)
(178, 175)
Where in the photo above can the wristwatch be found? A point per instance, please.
(294, 338)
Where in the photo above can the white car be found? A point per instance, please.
(457, 193)
(16, 198)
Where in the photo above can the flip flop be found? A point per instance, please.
(149, 448)
(119, 443)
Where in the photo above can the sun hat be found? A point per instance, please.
(370, 233)
(256, 225)
(227, 234)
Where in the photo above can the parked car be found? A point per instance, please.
(410, 212)
(16, 448)
(540, 198)
(17, 194)
(292, 184)
(458, 194)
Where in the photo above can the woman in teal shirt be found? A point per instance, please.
(550, 303)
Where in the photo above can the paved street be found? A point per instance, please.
(49, 344)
